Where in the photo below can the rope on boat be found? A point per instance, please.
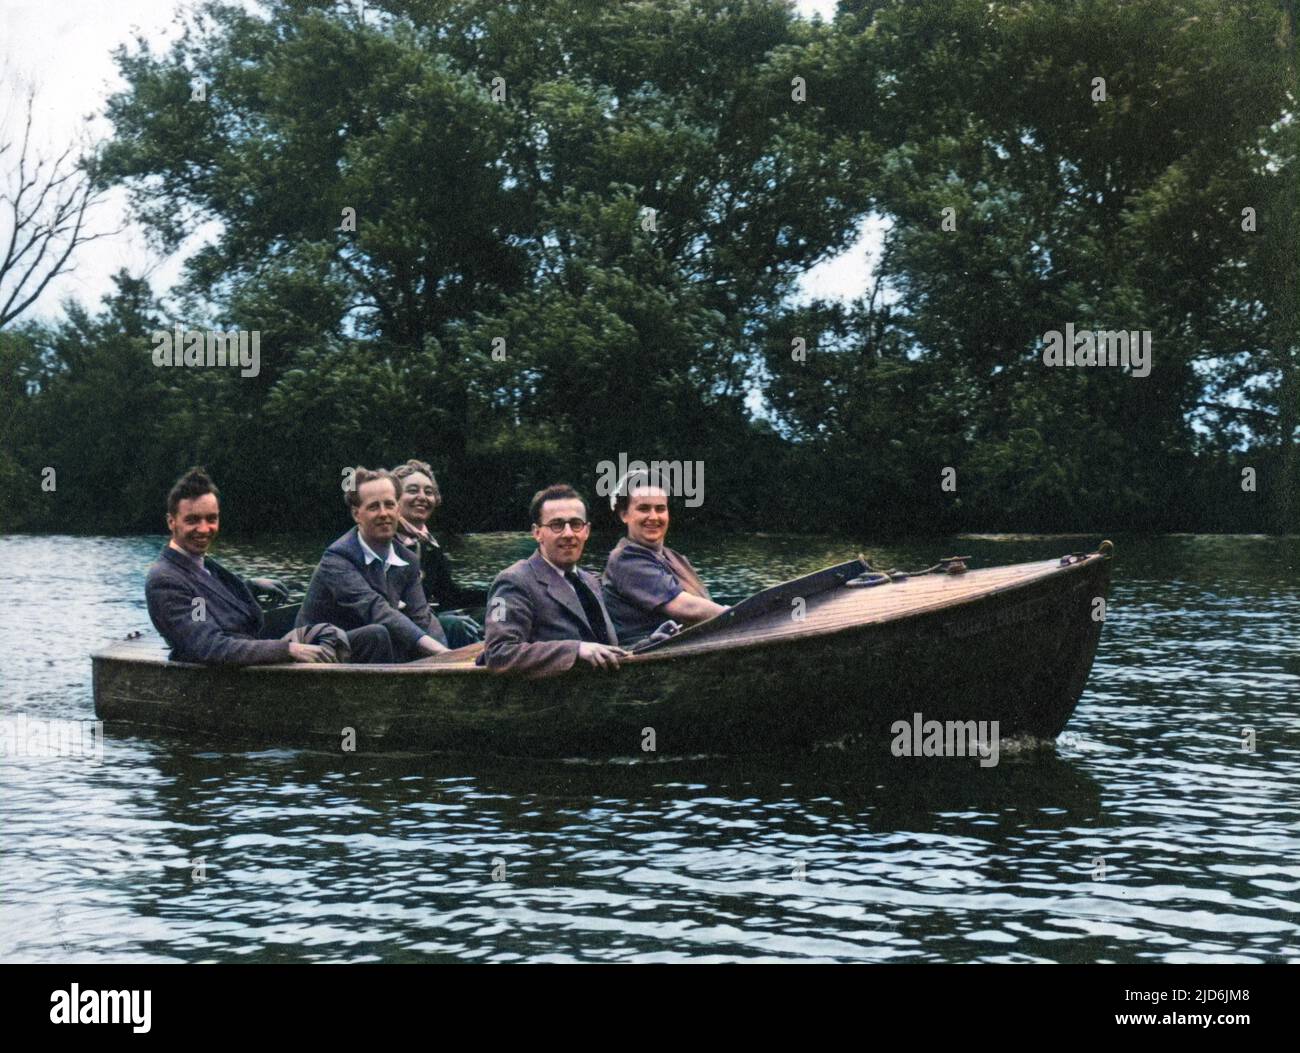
(872, 577)
(949, 565)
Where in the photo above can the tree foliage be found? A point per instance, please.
(519, 239)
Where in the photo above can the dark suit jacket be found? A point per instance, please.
(226, 634)
(440, 588)
(534, 619)
(344, 591)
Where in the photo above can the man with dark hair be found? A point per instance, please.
(544, 613)
(366, 578)
(209, 615)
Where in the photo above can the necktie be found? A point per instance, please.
(590, 605)
(381, 567)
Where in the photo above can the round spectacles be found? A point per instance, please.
(556, 526)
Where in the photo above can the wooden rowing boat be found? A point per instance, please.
(832, 657)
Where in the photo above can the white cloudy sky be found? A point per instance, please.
(64, 46)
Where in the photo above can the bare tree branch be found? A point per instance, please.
(46, 205)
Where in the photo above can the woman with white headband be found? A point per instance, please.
(645, 582)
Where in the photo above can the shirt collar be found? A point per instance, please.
(371, 556)
(553, 567)
(197, 561)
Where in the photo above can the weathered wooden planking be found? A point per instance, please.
(1012, 644)
(848, 606)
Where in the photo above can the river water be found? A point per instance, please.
(1153, 832)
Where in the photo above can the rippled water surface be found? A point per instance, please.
(1150, 834)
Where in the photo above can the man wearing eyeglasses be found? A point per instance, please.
(544, 613)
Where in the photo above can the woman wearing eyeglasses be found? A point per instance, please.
(646, 583)
(418, 498)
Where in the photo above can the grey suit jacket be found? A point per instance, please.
(534, 619)
(221, 630)
(344, 591)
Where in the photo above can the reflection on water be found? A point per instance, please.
(1149, 835)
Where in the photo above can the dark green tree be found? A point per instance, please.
(1114, 205)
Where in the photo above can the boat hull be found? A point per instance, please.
(1019, 655)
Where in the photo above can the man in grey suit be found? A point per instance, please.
(367, 578)
(209, 615)
(544, 613)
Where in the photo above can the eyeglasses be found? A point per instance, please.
(556, 526)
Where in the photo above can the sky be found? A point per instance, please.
(64, 47)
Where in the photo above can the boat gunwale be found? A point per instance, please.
(110, 652)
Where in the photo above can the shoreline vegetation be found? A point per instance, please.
(527, 240)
